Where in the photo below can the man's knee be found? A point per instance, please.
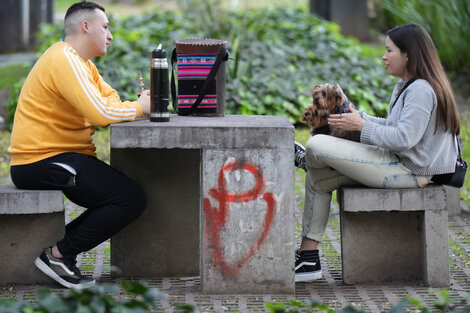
(133, 199)
(138, 199)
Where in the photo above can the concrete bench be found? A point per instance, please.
(453, 201)
(394, 235)
(30, 220)
(220, 201)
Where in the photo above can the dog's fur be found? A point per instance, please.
(328, 99)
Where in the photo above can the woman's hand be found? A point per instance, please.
(347, 121)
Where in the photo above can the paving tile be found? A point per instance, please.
(329, 290)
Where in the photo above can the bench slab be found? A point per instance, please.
(30, 220)
(19, 201)
(394, 235)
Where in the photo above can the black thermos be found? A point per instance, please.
(159, 111)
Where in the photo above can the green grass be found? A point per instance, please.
(465, 135)
(302, 134)
(10, 74)
(4, 156)
(459, 253)
(102, 143)
(461, 236)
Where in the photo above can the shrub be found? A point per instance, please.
(277, 55)
(100, 298)
(446, 21)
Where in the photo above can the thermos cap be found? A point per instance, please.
(158, 53)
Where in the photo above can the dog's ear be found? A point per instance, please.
(315, 89)
(337, 89)
(339, 94)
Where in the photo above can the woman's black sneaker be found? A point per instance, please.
(299, 156)
(307, 266)
(62, 270)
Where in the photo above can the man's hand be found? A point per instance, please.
(144, 101)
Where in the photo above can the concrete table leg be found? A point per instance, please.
(164, 240)
(248, 221)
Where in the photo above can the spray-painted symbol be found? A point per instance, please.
(216, 219)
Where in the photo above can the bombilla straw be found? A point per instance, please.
(141, 80)
(159, 46)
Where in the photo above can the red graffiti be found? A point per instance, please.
(216, 219)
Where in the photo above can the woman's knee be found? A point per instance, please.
(317, 143)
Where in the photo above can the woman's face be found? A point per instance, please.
(395, 60)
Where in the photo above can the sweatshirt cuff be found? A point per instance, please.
(366, 132)
(140, 111)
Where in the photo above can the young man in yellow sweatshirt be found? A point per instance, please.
(62, 100)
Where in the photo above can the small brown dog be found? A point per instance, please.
(328, 99)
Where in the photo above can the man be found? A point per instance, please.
(62, 100)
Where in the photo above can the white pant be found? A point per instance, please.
(333, 162)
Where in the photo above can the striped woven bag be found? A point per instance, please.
(201, 78)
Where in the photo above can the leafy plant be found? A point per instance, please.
(446, 21)
(13, 101)
(277, 55)
(10, 74)
(100, 298)
(135, 297)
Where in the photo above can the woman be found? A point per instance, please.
(404, 150)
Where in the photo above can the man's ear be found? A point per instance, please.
(84, 25)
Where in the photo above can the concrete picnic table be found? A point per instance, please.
(220, 201)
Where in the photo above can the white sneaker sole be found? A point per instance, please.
(49, 272)
(307, 277)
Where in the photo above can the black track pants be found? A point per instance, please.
(112, 199)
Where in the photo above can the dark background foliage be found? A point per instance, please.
(277, 55)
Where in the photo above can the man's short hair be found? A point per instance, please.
(77, 13)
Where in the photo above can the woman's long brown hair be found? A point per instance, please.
(423, 62)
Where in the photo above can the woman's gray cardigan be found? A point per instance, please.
(408, 131)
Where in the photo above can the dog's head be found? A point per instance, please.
(327, 99)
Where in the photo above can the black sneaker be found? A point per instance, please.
(62, 270)
(299, 156)
(307, 266)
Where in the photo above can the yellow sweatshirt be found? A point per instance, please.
(61, 101)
